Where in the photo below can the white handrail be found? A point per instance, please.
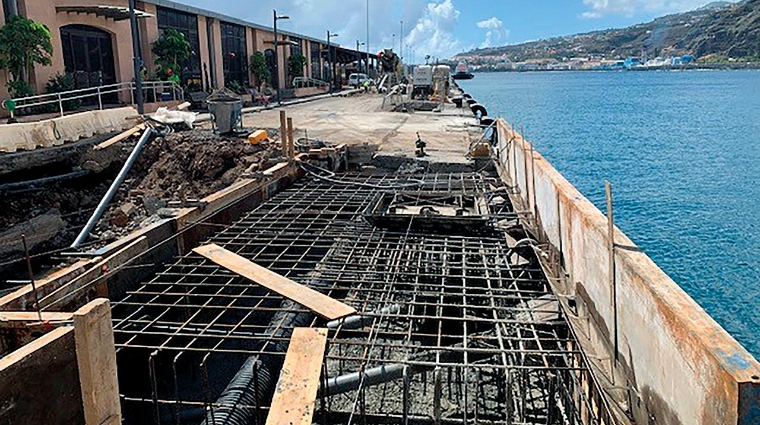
(301, 82)
(58, 99)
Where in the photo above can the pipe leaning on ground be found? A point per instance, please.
(113, 189)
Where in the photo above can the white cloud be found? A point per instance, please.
(429, 25)
(600, 8)
(348, 18)
(495, 34)
(433, 34)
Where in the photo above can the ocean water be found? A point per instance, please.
(682, 150)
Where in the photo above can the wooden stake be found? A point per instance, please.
(283, 133)
(291, 139)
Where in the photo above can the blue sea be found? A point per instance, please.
(682, 150)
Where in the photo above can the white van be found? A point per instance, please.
(358, 80)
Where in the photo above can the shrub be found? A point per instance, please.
(171, 49)
(63, 83)
(295, 65)
(260, 69)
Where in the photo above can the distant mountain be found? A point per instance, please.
(717, 30)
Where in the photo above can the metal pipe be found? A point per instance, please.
(375, 376)
(8, 187)
(359, 321)
(113, 189)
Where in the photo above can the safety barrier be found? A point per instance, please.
(681, 366)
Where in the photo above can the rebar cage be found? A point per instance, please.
(452, 329)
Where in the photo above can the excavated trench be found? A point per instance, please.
(456, 327)
(170, 171)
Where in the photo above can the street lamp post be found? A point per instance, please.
(277, 54)
(367, 64)
(137, 59)
(359, 56)
(330, 62)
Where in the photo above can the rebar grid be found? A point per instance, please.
(477, 331)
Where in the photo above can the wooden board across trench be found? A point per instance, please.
(320, 304)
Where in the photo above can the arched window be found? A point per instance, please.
(88, 55)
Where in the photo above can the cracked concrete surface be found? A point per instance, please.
(361, 119)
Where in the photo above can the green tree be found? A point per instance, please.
(23, 44)
(260, 69)
(295, 65)
(171, 49)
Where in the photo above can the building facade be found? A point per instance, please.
(92, 42)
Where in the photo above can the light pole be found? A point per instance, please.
(277, 54)
(359, 56)
(367, 64)
(137, 59)
(401, 42)
(330, 59)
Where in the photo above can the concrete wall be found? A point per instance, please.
(683, 367)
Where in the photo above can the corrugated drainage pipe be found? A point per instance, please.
(113, 189)
(243, 389)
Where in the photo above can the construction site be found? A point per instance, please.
(351, 258)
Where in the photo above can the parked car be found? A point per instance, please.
(358, 80)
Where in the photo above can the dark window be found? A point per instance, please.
(187, 24)
(234, 54)
(7, 9)
(316, 70)
(269, 56)
(296, 49)
(88, 57)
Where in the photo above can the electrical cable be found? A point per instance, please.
(331, 178)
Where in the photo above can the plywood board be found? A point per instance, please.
(296, 394)
(320, 304)
(121, 136)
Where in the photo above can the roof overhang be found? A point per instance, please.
(117, 13)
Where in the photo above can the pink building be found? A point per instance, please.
(92, 42)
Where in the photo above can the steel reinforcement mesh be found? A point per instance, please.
(454, 329)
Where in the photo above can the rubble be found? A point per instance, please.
(174, 168)
(181, 167)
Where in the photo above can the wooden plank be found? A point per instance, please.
(96, 359)
(320, 304)
(40, 382)
(23, 298)
(119, 137)
(296, 394)
(81, 288)
(12, 319)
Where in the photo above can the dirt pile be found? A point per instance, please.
(192, 165)
(178, 168)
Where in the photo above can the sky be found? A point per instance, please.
(443, 28)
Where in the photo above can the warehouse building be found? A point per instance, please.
(92, 42)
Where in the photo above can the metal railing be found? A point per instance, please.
(303, 82)
(99, 93)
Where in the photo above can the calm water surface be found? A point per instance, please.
(682, 150)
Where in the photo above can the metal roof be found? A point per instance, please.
(117, 13)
